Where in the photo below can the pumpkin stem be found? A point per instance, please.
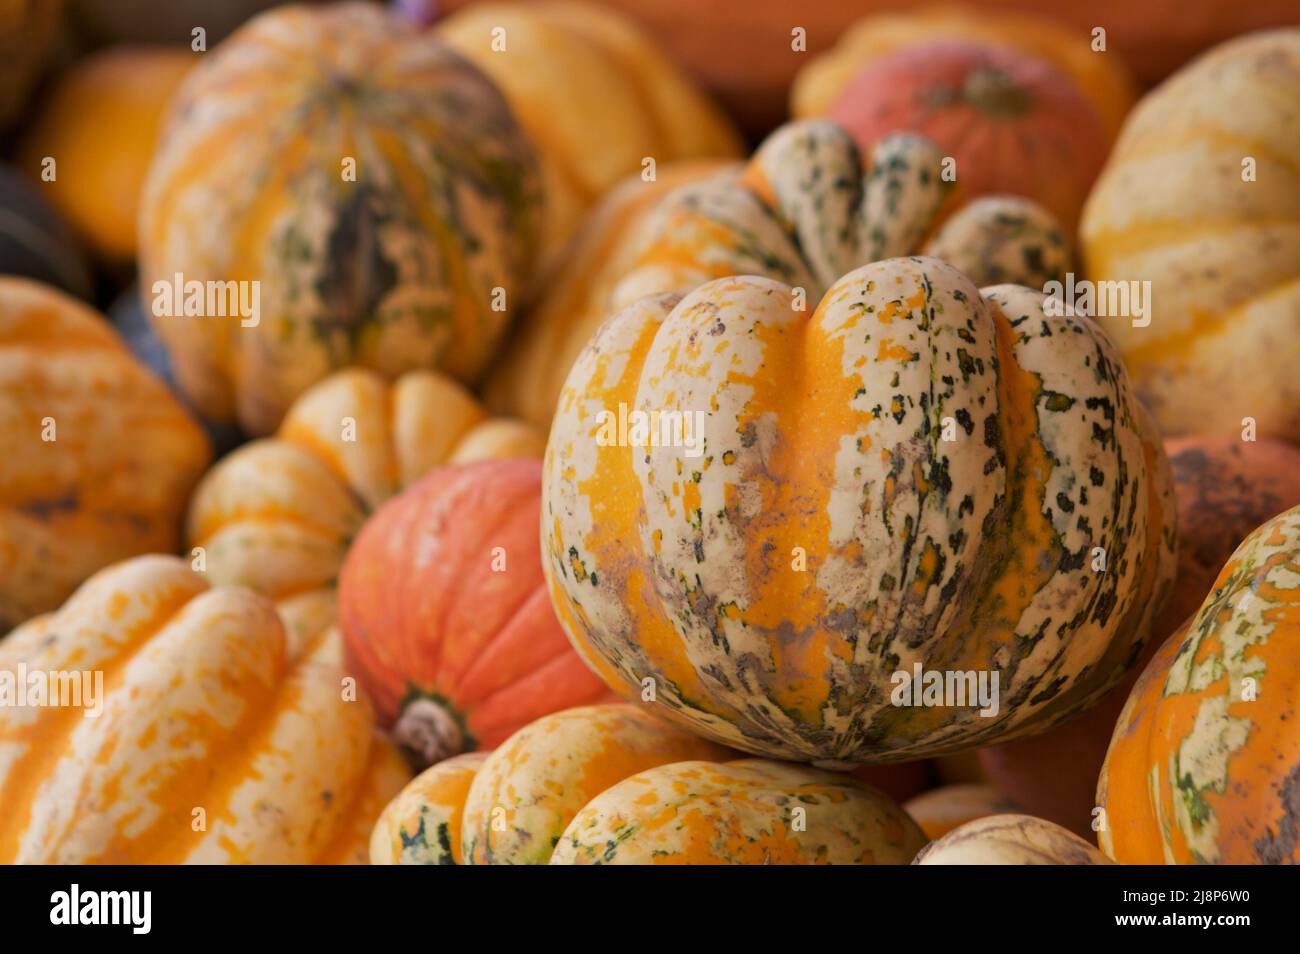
(428, 732)
(995, 91)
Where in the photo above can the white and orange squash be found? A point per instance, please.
(917, 473)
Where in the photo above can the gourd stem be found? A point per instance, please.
(995, 91)
(428, 732)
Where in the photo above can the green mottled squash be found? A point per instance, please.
(915, 473)
(808, 207)
(614, 784)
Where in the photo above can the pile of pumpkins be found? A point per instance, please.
(380, 515)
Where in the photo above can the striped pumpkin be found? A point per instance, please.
(810, 207)
(279, 514)
(916, 474)
(1010, 840)
(99, 457)
(782, 216)
(414, 258)
(746, 812)
(1201, 197)
(595, 95)
(1202, 768)
(221, 737)
(615, 785)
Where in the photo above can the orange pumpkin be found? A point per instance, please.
(99, 457)
(1202, 768)
(748, 53)
(446, 615)
(1102, 77)
(100, 124)
(371, 182)
(1223, 488)
(1013, 123)
(204, 730)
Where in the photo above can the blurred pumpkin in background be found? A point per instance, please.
(28, 30)
(748, 53)
(1224, 488)
(99, 124)
(370, 179)
(35, 242)
(1201, 198)
(1103, 79)
(99, 457)
(595, 95)
(527, 379)
(1013, 123)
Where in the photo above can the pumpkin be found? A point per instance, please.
(811, 206)
(1103, 78)
(789, 534)
(446, 615)
(1012, 123)
(1202, 766)
(527, 380)
(99, 458)
(614, 784)
(1223, 488)
(28, 31)
(940, 810)
(1201, 199)
(34, 242)
(594, 94)
(370, 180)
(781, 216)
(749, 53)
(1010, 840)
(750, 811)
(279, 514)
(217, 736)
(100, 124)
